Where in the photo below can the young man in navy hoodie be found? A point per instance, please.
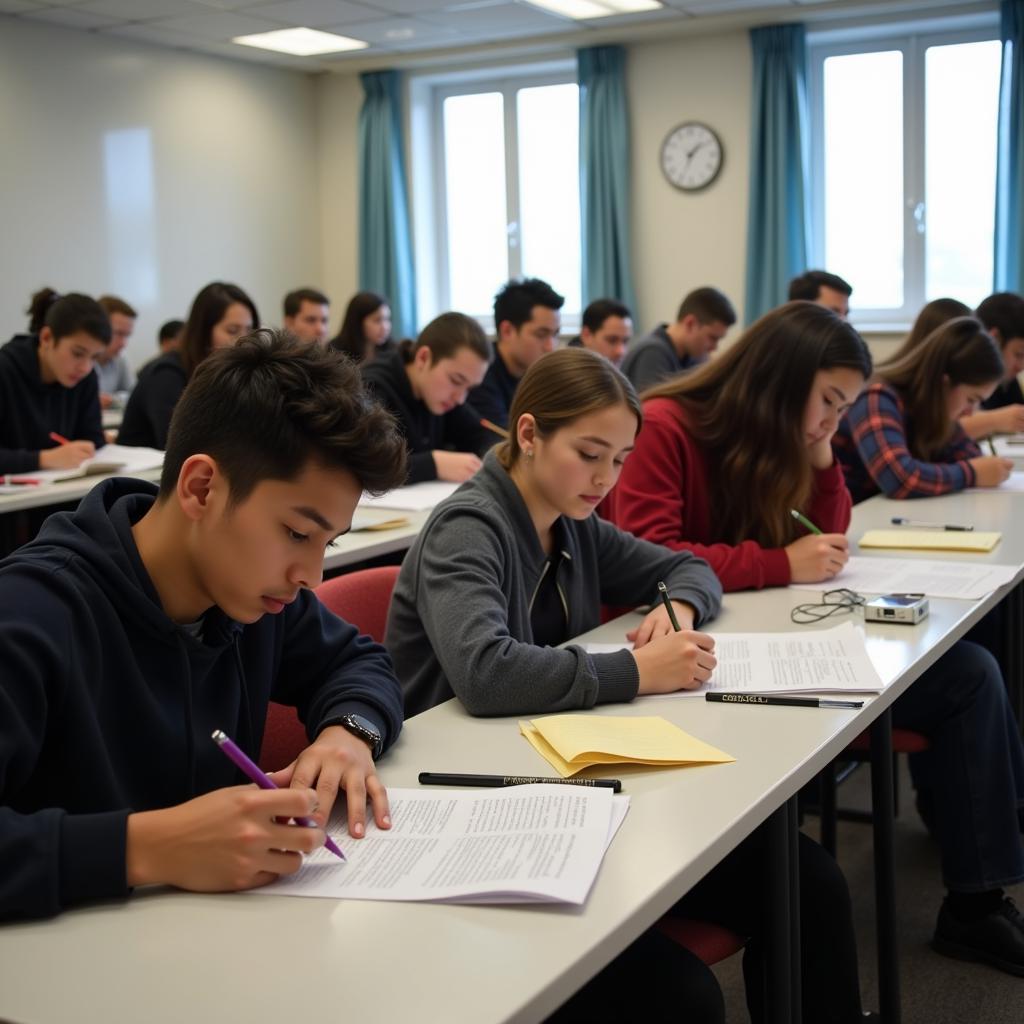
(137, 625)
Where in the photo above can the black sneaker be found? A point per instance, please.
(996, 939)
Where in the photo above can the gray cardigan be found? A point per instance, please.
(460, 616)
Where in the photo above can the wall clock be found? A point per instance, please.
(691, 156)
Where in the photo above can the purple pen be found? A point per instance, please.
(234, 753)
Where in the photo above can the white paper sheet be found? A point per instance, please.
(523, 844)
(1009, 447)
(128, 461)
(1014, 482)
(969, 581)
(414, 498)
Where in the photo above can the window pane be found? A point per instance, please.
(474, 149)
(961, 110)
(863, 107)
(549, 188)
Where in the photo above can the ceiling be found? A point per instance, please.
(400, 27)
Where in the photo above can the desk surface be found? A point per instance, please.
(169, 956)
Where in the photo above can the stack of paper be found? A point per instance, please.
(574, 742)
(931, 540)
(414, 498)
(524, 844)
(111, 458)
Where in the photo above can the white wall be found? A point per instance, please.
(148, 172)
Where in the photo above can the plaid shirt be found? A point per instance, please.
(871, 444)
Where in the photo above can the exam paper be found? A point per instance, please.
(523, 844)
(414, 498)
(969, 581)
(111, 458)
(1010, 447)
(931, 540)
(1014, 482)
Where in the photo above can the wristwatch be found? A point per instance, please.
(362, 727)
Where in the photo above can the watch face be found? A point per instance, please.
(691, 156)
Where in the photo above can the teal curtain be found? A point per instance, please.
(604, 175)
(385, 241)
(1009, 235)
(777, 221)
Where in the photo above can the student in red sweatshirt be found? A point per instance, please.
(728, 451)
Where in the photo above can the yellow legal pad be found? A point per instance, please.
(574, 742)
(931, 540)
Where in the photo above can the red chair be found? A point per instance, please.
(709, 942)
(361, 598)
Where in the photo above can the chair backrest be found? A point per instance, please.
(361, 598)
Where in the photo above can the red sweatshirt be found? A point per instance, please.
(663, 496)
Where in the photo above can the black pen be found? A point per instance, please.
(921, 524)
(497, 781)
(789, 702)
(663, 591)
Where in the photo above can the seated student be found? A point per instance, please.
(172, 613)
(1003, 411)
(307, 314)
(932, 316)
(703, 320)
(425, 384)
(902, 436)
(112, 367)
(170, 336)
(607, 328)
(220, 315)
(366, 330)
(526, 324)
(47, 385)
(779, 392)
(515, 563)
(828, 290)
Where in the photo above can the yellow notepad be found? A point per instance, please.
(571, 743)
(931, 540)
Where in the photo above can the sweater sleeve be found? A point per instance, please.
(879, 433)
(463, 608)
(652, 365)
(18, 460)
(421, 467)
(463, 432)
(649, 501)
(831, 506)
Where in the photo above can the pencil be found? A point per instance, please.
(59, 438)
(500, 431)
(804, 521)
(663, 592)
(992, 446)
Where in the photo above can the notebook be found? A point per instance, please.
(931, 540)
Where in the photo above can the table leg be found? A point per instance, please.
(783, 899)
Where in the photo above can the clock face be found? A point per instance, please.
(691, 156)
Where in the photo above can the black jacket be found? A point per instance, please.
(107, 705)
(147, 416)
(457, 431)
(493, 399)
(30, 410)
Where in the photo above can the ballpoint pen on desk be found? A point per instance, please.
(663, 593)
(20, 481)
(722, 697)
(252, 771)
(921, 524)
(464, 779)
(804, 521)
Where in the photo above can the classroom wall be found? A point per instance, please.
(149, 172)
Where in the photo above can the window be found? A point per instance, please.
(904, 137)
(496, 190)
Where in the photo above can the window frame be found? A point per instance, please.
(913, 43)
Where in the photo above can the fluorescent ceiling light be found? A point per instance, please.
(303, 42)
(587, 9)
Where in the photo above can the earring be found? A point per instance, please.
(529, 453)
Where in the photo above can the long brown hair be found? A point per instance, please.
(350, 340)
(208, 309)
(562, 387)
(960, 351)
(747, 407)
(933, 314)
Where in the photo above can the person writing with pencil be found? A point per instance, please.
(515, 564)
(49, 398)
(425, 384)
(148, 618)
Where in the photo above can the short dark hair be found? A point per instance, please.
(709, 306)
(445, 335)
(517, 298)
(599, 310)
(113, 304)
(269, 404)
(208, 309)
(1003, 311)
(170, 330)
(809, 284)
(293, 300)
(68, 314)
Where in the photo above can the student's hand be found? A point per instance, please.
(815, 558)
(991, 470)
(675, 661)
(821, 454)
(339, 759)
(1009, 419)
(657, 623)
(66, 456)
(106, 401)
(455, 467)
(226, 840)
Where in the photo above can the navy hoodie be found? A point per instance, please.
(30, 409)
(107, 705)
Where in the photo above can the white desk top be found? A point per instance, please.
(29, 497)
(361, 544)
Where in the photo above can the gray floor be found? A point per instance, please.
(935, 989)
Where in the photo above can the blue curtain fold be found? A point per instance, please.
(1009, 227)
(604, 175)
(777, 243)
(385, 240)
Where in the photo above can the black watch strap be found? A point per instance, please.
(362, 727)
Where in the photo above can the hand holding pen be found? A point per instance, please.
(817, 556)
(67, 454)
